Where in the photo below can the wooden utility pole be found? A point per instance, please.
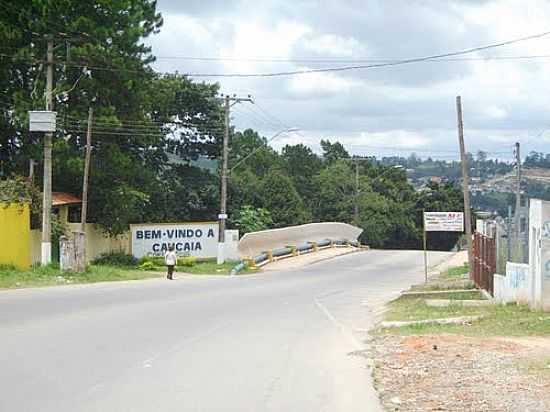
(84, 210)
(356, 205)
(465, 184)
(224, 172)
(46, 250)
(425, 242)
(517, 214)
(80, 236)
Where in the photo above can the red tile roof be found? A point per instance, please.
(61, 198)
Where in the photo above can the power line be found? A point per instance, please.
(434, 57)
(144, 127)
(326, 60)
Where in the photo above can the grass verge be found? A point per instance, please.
(51, 275)
(497, 320)
(207, 267)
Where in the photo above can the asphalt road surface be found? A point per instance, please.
(279, 341)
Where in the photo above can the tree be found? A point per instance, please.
(333, 151)
(278, 195)
(335, 191)
(243, 144)
(251, 219)
(302, 165)
(88, 36)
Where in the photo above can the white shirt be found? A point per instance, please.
(171, 258)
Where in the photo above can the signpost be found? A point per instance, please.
(188, 239)
(440, 222)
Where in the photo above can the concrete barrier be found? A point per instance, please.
(252, 244)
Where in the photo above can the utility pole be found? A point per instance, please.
(80, 236)
(356, 205)
(86, 171)
(465, 184)
(518, 193)
(228, 103)
(509, 235)
(46, 250)
(31, 170)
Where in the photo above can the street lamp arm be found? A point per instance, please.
(261, 147)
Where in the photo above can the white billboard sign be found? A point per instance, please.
(189, 239)
(444, 221)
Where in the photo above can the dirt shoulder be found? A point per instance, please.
(499, 361)
(457, 373)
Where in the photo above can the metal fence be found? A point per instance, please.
(484, 253)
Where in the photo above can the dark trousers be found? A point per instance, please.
(170, 271)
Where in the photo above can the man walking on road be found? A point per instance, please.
(170, 258)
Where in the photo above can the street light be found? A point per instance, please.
(262, 146)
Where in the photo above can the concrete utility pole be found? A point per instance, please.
(46, 250)
(224, 172)
(465, 184)
(518, 193)
(32, 163)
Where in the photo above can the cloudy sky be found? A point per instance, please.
(381, 111)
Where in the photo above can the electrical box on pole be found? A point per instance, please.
(42, 121)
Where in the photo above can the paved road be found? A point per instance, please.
(286, 341)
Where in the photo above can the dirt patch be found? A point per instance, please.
(457, 373)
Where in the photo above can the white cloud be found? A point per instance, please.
(333, 45)
(404, 107)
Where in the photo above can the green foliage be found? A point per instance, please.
(119, 259)
(155, 260)
(250, 219)
(333, 151)
(20, 190)
(335, 192)
(147, 266)
(457, 272)
(149, 172)
(188, 261)
(280, 197)
(302, 166)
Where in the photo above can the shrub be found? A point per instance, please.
(188, 261)
(155, 260)
(147, 266)
(115, 259)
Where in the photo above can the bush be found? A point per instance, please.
(155, 260)
(115, 259)
(188, 261)
(147, 266)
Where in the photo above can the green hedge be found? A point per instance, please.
(115, 259)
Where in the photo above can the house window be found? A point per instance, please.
(74, 214)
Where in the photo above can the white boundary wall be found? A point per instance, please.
(530, 283)
(515, 286)
(252, 244)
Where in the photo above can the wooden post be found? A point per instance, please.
(517, 216)
(80, 237)
(465, 182)
(425, 247)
